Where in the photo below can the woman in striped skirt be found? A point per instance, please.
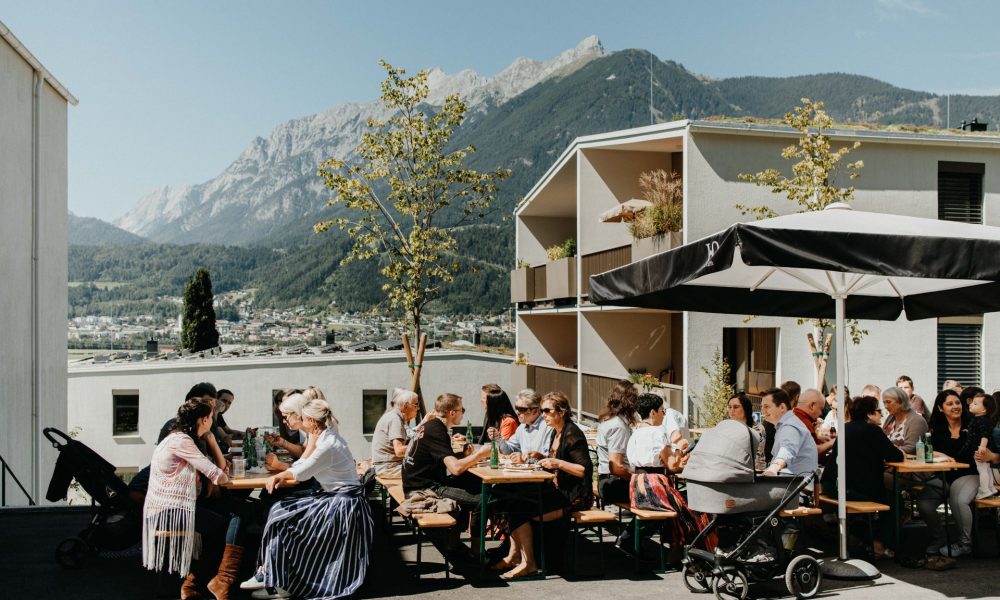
(316, 545)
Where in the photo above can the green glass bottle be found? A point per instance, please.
(494, 454)
(468, 433)
(929, 450)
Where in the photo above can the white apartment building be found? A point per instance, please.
(33, 247)
(118, 408)
(570, 344)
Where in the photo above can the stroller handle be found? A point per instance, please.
(48, 432)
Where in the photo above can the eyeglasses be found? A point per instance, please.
(549, 410)
(524, 409)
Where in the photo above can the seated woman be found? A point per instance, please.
(949, 434)
(171, 515)
(569, 457)
(648, 449)
(500, 416)
(614, 428)
(868, 449)
(316, 545)
(288, 438)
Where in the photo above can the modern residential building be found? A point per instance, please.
(118, 408)
(33, 238)
(568, 343)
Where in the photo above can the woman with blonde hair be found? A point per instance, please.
(316, 545)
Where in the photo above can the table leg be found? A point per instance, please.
(482, 528)
(898, 515)
(541, 529)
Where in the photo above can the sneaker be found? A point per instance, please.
(270, 594)
(985, 493)
(625, 544)
(956, 550)
(256, 581)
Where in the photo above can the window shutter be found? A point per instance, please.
(959, 354)
(960, 192)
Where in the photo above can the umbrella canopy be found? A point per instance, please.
(793, 265)
(837, 263)
(626, 211)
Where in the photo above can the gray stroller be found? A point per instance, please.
(756, 543)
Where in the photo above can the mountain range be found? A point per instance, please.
(521, 118)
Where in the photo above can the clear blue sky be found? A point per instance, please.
(171, 92)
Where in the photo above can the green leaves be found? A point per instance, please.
(405, 156)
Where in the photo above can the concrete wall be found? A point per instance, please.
(535, 234)
(612, 342)
(162, 387)
(20, 324)
(548, 339)
(897, 178)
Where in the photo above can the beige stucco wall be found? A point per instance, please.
(18, 438)
(547, 339)
(535, 234)
(612, 342)
(343, 378)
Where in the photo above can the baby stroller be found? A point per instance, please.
(115, 523)
(755, 541)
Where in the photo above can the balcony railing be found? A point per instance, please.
(599, 262)
(597, 388)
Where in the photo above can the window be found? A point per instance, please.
(373, 404)
(959, 353)
(752, 354)
(125, 412)
(960, 191)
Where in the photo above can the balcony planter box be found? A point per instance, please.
(522, 285)
(644, 247)
(560, 278)
(519, 379)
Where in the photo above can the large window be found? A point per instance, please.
(373, 404)
(752, 354)
(959, 353)
(125, 412)
(960, 191)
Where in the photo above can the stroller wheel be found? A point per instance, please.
(803, 577)
(71, 552)
(732, 584)
(697, 579)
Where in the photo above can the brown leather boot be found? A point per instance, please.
(189, 589)
(228, 569)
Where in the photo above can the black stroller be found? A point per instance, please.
(116, 521)
(756, 542)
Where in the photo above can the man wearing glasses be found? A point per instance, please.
(530, 440)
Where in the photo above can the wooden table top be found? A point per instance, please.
(254, 481)
(493, 476)
(912, 466)
(388, 481)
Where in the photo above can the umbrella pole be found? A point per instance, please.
(841, 447)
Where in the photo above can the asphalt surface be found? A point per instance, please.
(28, 570)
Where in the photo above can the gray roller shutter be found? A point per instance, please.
(959, 354)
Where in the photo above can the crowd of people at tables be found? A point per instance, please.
(318, 533)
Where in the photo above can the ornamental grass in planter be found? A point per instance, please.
(658, 228)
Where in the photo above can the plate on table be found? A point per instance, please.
(522, 468)
(258, 471)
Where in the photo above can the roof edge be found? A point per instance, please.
(28, 57)
(848, 133)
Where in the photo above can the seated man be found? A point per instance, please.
(648, 449)
(809, 410)
(222, 431)
(675, 426)
(531, 438)
(794, 449)
(389, 439)
(431, 464)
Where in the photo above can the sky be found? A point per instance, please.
(172, 92)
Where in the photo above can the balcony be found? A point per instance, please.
(545, 379)
(597, 388)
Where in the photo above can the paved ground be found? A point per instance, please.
(27, 570)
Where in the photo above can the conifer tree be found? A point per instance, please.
(198, 331)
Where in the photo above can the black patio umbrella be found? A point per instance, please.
(836, 263)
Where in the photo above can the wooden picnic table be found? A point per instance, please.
(931, 471)
(256, 481)
(505, 476)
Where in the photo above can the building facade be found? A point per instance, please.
(118, 409)
(33, 247)
(566, 342)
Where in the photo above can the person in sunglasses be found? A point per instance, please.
(531, 438)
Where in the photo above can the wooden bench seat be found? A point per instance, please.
(856, 507)
(646, 515)
(802, 511)
(396, 493)
(433, 520)
(586, 517)
(991, 502)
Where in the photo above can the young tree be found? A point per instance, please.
(198, 331)
(404, 178)
(812, 188)
(717, 392)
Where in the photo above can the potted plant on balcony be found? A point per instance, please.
(522, 282)
(519, 373)
(658, 228)
(560, 271)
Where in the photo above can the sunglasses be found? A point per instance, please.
(524, 409)
(550, 411)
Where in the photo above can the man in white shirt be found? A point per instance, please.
(675, 427)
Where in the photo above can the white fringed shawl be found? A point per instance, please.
(168, 515)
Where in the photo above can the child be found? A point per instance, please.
(984, 418)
